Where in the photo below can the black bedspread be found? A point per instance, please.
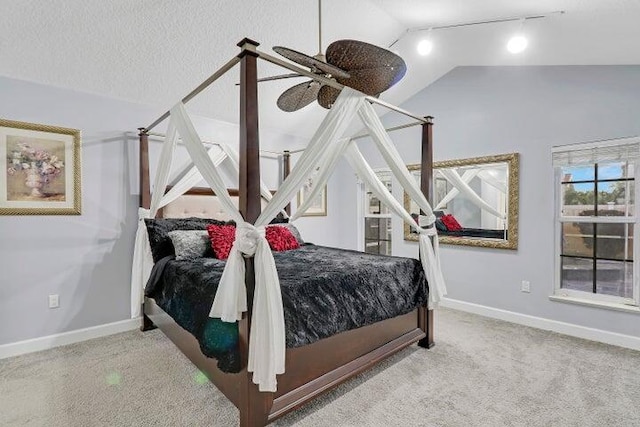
(476, 232)
(325, 291)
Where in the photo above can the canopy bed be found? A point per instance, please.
(256, 289)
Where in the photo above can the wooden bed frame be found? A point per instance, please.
(313, 369)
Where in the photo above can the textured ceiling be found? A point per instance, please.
(156, 51)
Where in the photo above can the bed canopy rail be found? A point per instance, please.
(205, 84)
(161, 136)
(249, 46)
(314, 369)
(426, 120)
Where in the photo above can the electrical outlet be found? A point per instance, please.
(54, 301)
(526, 286)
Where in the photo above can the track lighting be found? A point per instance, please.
(518, 42)
(426, 45)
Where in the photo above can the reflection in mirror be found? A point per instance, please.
(475, 201)
(377, 220)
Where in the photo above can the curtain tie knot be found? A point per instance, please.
(143, 214)
(425, 221)
(428, 231)
(248, 237)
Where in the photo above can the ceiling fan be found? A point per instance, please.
(359, 65)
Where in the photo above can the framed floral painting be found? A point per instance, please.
(319, 205)
(40, 169)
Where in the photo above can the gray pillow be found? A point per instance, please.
(190, 244)
(159, 228)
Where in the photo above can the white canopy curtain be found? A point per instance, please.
(467, 176)
(218, 154)
(143, 261)
(267, 340)
(488, 176)
(459, 183)
(429, 254)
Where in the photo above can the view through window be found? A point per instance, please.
(597, 217)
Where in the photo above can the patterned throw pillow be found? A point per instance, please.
(190, 244)
(222, 238)
(296, 233)
(451, 223)
(280, 238)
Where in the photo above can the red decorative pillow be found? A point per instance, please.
(451, 223)
(280, 238)
(222, 238)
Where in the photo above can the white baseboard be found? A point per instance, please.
(71, 337)
(620, 340)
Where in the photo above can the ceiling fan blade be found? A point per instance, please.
(373, 69)
(298, 96)
(327, 96)
(308, 61)
(370, 81)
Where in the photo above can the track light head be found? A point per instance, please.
(517, 44)
(425, 47)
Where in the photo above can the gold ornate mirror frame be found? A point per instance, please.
(513, 166)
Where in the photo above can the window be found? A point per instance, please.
(596, 222)
(377, 220)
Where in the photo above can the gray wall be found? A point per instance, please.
(335, 228)
(492, 110)
(85, 259)
(479, 111)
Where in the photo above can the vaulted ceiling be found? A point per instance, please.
(155, 51)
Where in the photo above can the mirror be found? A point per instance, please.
(475, 200)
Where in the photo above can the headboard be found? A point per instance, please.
(199, 203)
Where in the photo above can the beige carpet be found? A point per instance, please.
(482, 372)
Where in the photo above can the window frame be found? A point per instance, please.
(603, 300)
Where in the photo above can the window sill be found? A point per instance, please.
(599, 304)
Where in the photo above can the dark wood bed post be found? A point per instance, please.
(425, 316)
(145, 186)
(286, 170)
(254, 406)
(145, 200)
